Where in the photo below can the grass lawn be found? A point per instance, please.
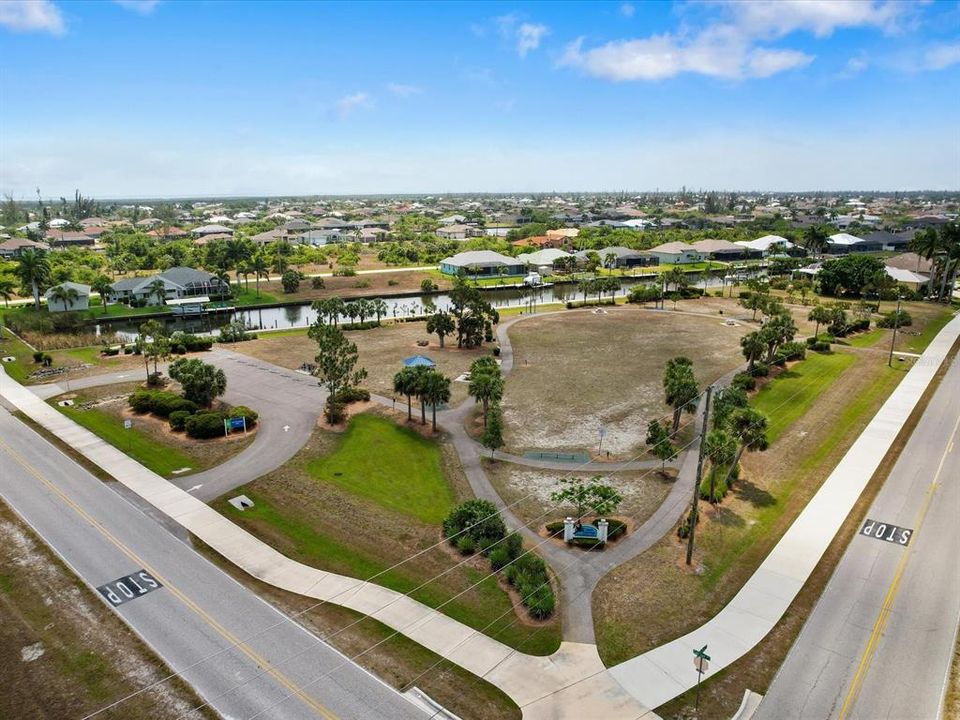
(656, 598)
(794, 391)
(365, 462)
(575, 372)
(335, 524)
(150, 441)
(88, 656)
(243, 297)
(926, 325)
(12, 346)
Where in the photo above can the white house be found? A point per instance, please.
(766, 245)
(542, 258)
(676, 253)
(82, 302)
(178, 282)
(478, 263)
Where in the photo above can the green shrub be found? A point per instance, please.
(352, 394)
(317, 283)
(205, 425)
(466, 545)
(890, 319)
(793, 350)
(615, 529)
(475, 518)
(760, 370)
(643, 294)
(243, 411)
(141, 401)
(744, 381)
(290, 280)
(165, 402)
(428, 286)
(38, 356)
(499, 557)
(555, 528)
(514, 545)
(541, 602)
(820, 346)
(178, 419)
(111, 351)
(391, 282)
(719, 487)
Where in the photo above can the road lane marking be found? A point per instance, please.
(233, 640)
(887, 607)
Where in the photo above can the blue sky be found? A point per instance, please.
(206, 98)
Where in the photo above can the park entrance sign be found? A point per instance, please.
(235, 423)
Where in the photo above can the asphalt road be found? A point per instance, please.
(880, 639)
(289, 404)
(241, 655)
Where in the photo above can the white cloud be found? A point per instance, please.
(940, 57)
(144, 7)
(719, 51)
(764, 62)
(775, 18)
(627, 10)
(529, 36)
(348, 104)
(403, 90)
(32, 16)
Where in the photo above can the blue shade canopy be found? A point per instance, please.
(419, 361)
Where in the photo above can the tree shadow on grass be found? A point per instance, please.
(726, 517)
(756, 496)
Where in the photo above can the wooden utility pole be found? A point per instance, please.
(696, 485)
(896, 326)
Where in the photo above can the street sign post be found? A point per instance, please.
(234, 423)
(701, 661)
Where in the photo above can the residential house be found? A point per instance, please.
(676, 253)
(542, 258)
(452, 220)
(178, 282)
(843, 243)
(458, 232)
(567, 233)
(766, 245)
(81, 303)
(719, 249)
(14, 246)
(67, 239)
(211, 229)
(910, 261)
(481, 263)
(541, 241)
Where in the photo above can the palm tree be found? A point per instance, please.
(815, 239)
(677, 277)
(486, 386)
(819, 314)
(435, 390)
(64, 295)
(751, 427)
(259, 268)
(33, 270)
(102, 286)
(407, 382)
(7, 288)
(379, 308)
(224, 277)
(158, 289)
(753, 346)
(721, 449)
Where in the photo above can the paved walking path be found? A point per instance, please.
(665, 672)
(536, 684)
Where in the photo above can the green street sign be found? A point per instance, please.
(702, 653)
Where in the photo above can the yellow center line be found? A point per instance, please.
(886, 608)
(232, 639)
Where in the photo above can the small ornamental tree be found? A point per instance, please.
(492, 437)
(335, 362)
(477, 519)
(201, 382)
(290, 280)
(588, 495)
(441, 324)
(658, 438)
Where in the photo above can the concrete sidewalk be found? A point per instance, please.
(534, 683)
(667, 671)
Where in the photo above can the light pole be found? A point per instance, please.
(893, 340)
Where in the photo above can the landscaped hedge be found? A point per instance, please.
(160, 402)
(760, 369)
(643, 294)
(744, 381)
(178, 420)
(351, 395)
(528, 574)
(793, 351)
(205, 425)
(889, 320)
(182, 343)
(477, 519)
(820, 346)
(843, 329)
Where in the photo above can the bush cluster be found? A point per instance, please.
(744, 381)
(760, 369)
(181, 343)
(476, 526)
(890, 319)
(528, 574)
(792, 351)
(643, 294)
(820, 346)
(160, 402)
(842, 329)
(348, 395)
(43, 358)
